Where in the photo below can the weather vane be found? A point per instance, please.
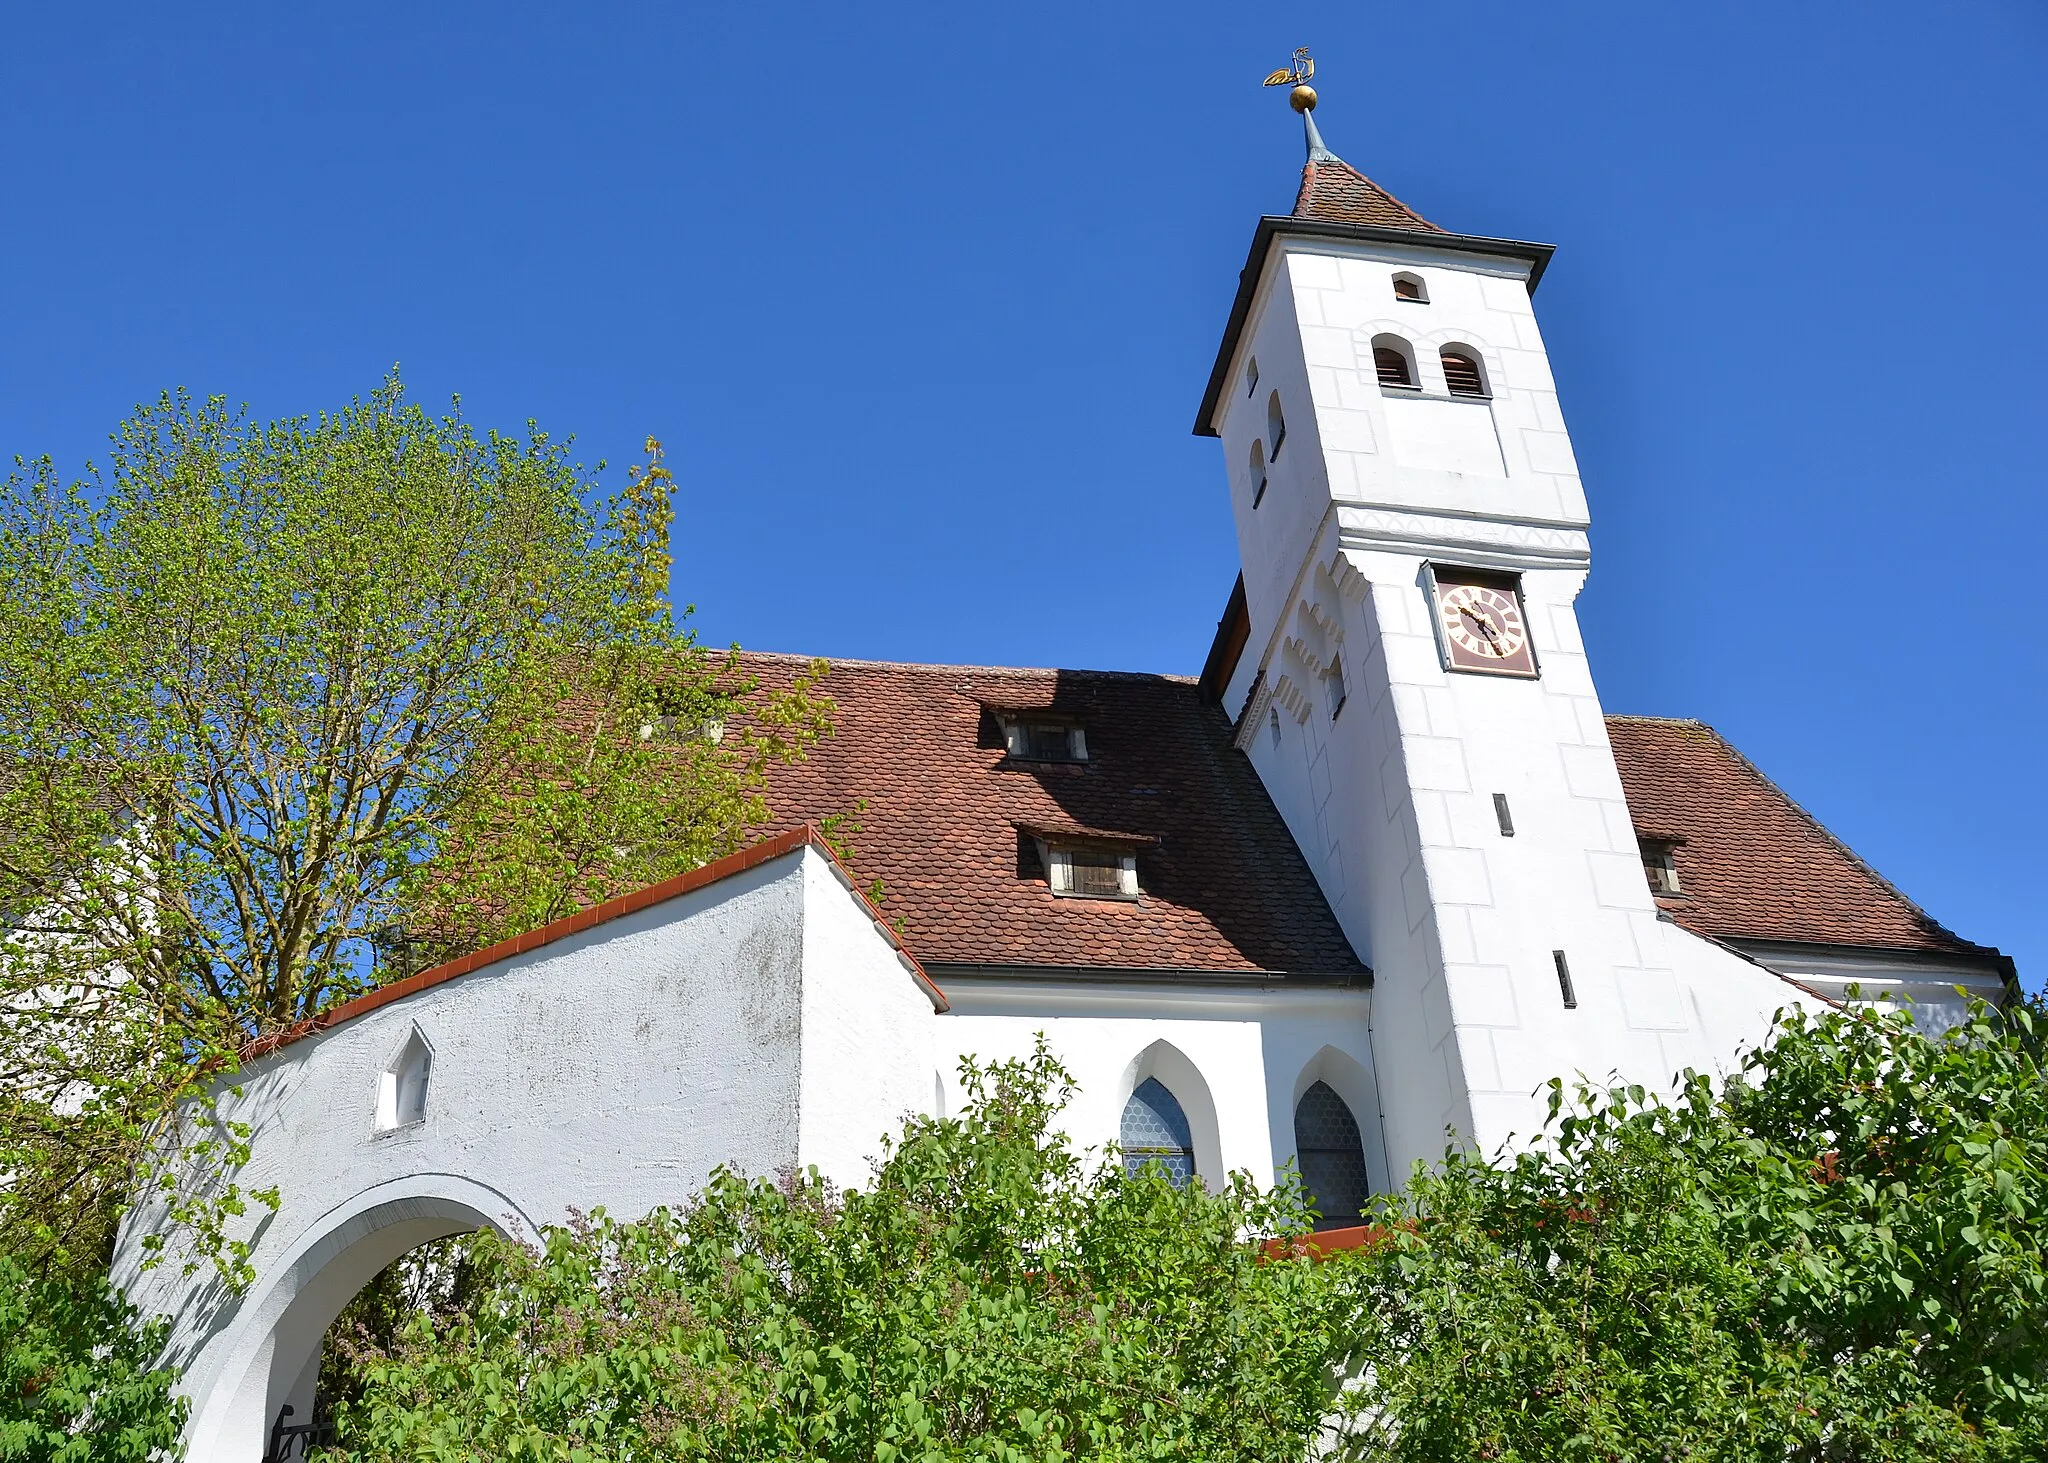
(1297, 72)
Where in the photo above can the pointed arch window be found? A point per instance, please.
(1462, 374)
(1155, 1130)
(1391, 362)
(1258, 472)
(402, 1086)
(1331, 1155)
(1276, 427)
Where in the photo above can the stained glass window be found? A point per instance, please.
(1332, 1158)
(1155, 1130)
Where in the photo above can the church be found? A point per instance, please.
(1358, 889)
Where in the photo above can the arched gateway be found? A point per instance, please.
(614, 1059)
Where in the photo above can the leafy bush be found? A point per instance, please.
(1838, 1257)
(990, 1296)
(78, 1377)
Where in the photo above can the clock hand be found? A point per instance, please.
(1485, 626)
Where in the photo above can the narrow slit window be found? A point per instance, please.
(1502, 816)
(1392, 366)
(1258, 472)
(1273, 720)
(1333, 685)
(1462, 375)
(1251, 376)
(1564, 980)
(1276, 427)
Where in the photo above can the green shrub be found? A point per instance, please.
(79, 1381)
(989, 1296)
(1839, 1256)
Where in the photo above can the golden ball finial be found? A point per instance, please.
(1302, 98)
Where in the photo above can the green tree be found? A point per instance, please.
(1839, 1256)
(79, 1381)
(990, 1295)
(288, 708)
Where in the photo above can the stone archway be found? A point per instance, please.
(264, 1352)
(753, 1013)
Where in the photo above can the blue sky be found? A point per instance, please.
(922, 300)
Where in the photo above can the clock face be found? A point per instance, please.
(1483, 627)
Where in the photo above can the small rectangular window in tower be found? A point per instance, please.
(1407, 287)
(1333, 685)
(1564, 980)
(1502, 816)
(1660, 866)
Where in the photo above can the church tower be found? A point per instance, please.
(1403, 661)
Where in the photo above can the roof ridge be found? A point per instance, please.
(997, 670)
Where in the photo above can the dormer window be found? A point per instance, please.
(1045, 741)
(1092, 873)
(1410, 287)
(1660, 866)
(1081, 863)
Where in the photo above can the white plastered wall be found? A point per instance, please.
(1391, 800)
(1237, 1058)
(613, 1068)
(868, 1034)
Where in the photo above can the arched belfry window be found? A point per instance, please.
(1391, 362)
(1258, 471)
(1155, 1130)
(1332, 1158)
(1462, 373)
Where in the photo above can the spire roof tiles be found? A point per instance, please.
(1334, 190)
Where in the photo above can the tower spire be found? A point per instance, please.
(1317, 152)
(1330, 187)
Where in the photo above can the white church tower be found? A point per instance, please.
(1407, 675)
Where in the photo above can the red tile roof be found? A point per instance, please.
(1332, 189)
(1752, 863)
(1224, 887)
